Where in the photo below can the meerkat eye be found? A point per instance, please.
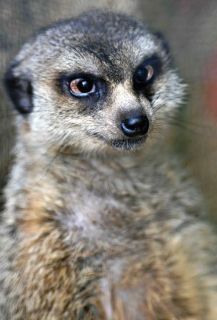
(144, 74)
(82, 87)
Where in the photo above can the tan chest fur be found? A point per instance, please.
(92, 245)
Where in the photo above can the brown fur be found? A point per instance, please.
(93, 229)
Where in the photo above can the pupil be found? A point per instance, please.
(141, 75)
(85, 86)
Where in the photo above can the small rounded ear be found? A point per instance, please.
(163, 41)
(19, 89)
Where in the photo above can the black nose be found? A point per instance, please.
(135, 126)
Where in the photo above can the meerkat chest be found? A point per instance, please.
(105, 217)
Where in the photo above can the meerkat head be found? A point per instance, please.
(94, 83)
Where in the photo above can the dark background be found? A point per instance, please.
(191, 28)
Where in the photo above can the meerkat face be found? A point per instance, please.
(94, 83)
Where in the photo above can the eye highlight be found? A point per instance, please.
(82, 87)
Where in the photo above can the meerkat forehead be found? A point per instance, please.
(95, 41)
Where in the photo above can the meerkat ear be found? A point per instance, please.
(19, 89)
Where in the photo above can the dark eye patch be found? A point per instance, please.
(65, 81)
(146, 73)
(98, 83)
(91, 92)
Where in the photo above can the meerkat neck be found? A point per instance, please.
(45, 181)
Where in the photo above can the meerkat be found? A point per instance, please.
(101, 221)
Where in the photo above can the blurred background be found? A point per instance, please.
(191, 29)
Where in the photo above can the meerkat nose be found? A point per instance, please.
(135, 126)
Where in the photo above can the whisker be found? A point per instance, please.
(191, 127)
(202, 125)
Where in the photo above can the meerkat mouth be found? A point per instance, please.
(121, 144)
(124, 144)
(127, 144)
